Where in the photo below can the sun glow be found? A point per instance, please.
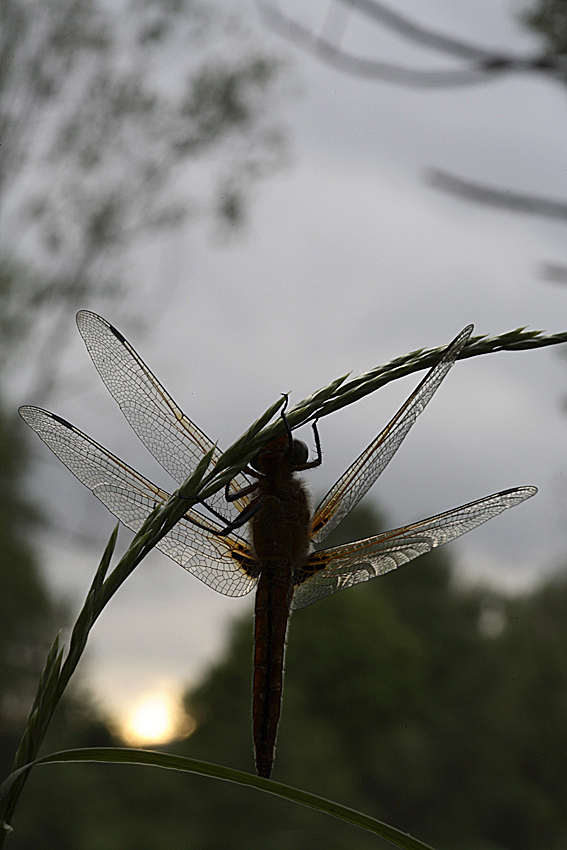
(157, 719)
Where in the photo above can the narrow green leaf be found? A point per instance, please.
(232, 455)
(87, 615)
(298, 414)
(519, 339)
(189, 487)
(50, 672)
(105, 560)
(117, 755)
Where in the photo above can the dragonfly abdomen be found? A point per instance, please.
(280, 537)
(273, 599)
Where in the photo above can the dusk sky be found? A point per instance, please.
(349, 259)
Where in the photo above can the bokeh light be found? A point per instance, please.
(156, 719)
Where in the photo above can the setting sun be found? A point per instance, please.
(156, 719)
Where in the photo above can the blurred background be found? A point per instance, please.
(261, 200)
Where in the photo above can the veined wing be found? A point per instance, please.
(224, 563)
(362, 474)
(173, 439)
(331, 570)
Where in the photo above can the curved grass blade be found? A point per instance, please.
(119, 755)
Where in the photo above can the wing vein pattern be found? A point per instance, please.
(365, 559)
(364, 471)
(223, 563)
(173, 439)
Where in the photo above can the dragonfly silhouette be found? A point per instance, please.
(279, 559)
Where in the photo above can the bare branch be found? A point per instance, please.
(484, 66)
(504, 198)
(421, 35)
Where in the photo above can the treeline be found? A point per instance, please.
(438, 709)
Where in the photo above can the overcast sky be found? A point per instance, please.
(350, 259)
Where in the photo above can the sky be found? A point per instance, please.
(349, 259)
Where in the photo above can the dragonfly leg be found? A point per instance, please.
(246, 515)
(241, 520)
(233, 497)
(310, 464)
(286, 423)
(218, 514)
(319, 459)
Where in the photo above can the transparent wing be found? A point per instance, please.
(331, 570)
(362, 474)
(224, 563)
(175, 442)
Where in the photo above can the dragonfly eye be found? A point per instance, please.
(276, 450)
(299, 452)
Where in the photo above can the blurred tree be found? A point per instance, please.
(117, 122)
(108, 114)
(434, 707)
(72, 808)
(27, 614)
(474, 63)
(549, 17)
(471, 64)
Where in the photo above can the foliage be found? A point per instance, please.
(119, 121)
(401, 696)
(395, 699)
(549, 18)
(367, 716)
(401, 699)
(27, 615)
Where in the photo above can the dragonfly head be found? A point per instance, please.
(299, 452)
(276, 450)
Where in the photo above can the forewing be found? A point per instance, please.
(176, 442)
(224, 563)
(362, 474)
(331, 570)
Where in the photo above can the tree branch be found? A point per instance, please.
(485, 65)
(504, 198)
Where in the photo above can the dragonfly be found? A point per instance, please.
(278, 557)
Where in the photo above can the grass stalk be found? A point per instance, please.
(200, 485)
